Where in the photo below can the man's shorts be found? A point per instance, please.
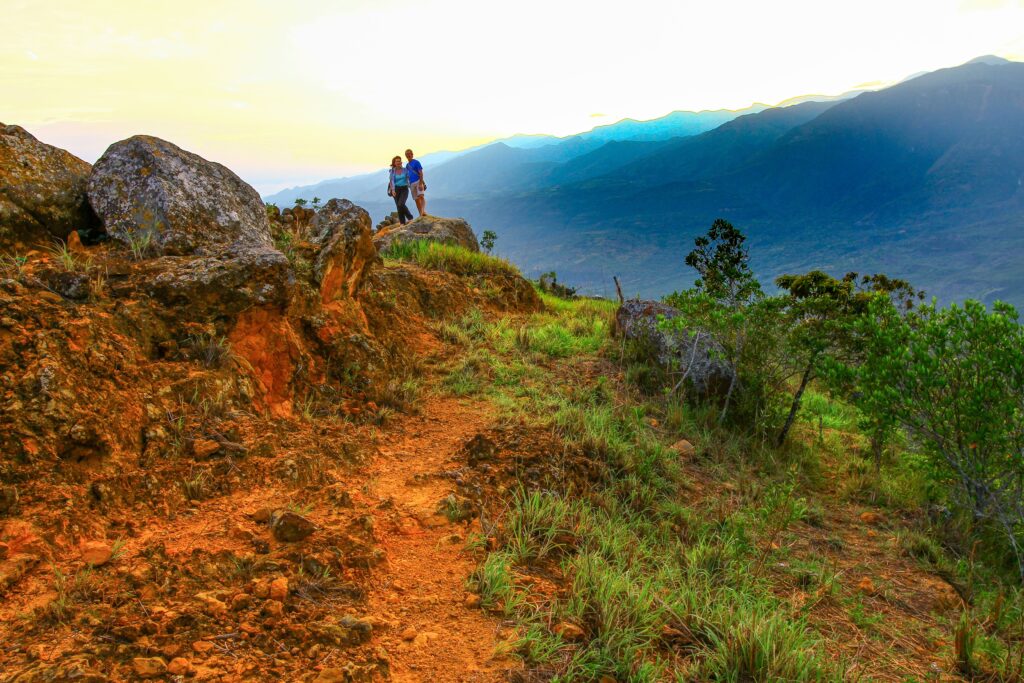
(416, 191)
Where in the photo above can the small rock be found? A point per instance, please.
(149, 667)
(873, 518)
(262, 515)
(240, 602)
(204, 448)
(409, 634)
(569, 632)
(272, 608)
(424, 638)
(684, 448)
(261, 589)
(472, 600)
(8, 498)
(202, 646)
(866, 585)
(179, 666)
(4, 550)
(290, 527)
(279, 589)
(74, 243)
(236, 531)
(96, 553)
(212, 605)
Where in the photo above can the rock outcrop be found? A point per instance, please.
(431, 228)
(224, 286)
(42, 191)
(149, 191)
(342, 233)
(690, 352)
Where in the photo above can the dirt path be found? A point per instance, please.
(435, 636)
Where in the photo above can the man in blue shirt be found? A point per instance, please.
(416, 183)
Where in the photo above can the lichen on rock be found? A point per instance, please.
(42, 191)
(148, 189)
(341, 231)
(430, 228)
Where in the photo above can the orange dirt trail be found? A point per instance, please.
(434, 637)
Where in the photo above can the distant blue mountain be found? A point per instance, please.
(533, 149)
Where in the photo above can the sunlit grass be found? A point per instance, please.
(448, 257)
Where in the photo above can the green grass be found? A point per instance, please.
(665, 587)
(449, 257)
(638, 563)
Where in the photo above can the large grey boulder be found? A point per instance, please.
(42, 191)
(145, 188)
(690, 353)
(342, 234)
(431, 228)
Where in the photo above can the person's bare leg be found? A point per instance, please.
(421, 205)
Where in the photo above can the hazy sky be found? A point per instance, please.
(287, 93)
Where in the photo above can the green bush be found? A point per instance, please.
(954, 379)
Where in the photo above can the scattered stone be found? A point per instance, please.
(569, 632)
(272, 608)
(8, 499)
(359, 630)
(202, 449)
(240, 533)
(290, 527)
(472, 600)
(96, 553)
(73, 286)
(149, 667)
(409, 634)
(425, 637)
(202, 646)
(73, 243)
(212, 605)
(240, 602)
(179, 666)
(867, 586)
(684, 448)
(872, 518)
(4, 550)
(279, 589)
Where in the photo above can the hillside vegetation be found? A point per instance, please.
(244, 443)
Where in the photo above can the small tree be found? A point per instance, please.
(821, 312)
(487, 240)
(300, 202)
(954, 379)
(316, 202)
(723, 265)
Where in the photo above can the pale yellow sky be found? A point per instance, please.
(290, 93)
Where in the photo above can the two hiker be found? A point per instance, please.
(405, 179)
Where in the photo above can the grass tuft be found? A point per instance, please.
(449, 257)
